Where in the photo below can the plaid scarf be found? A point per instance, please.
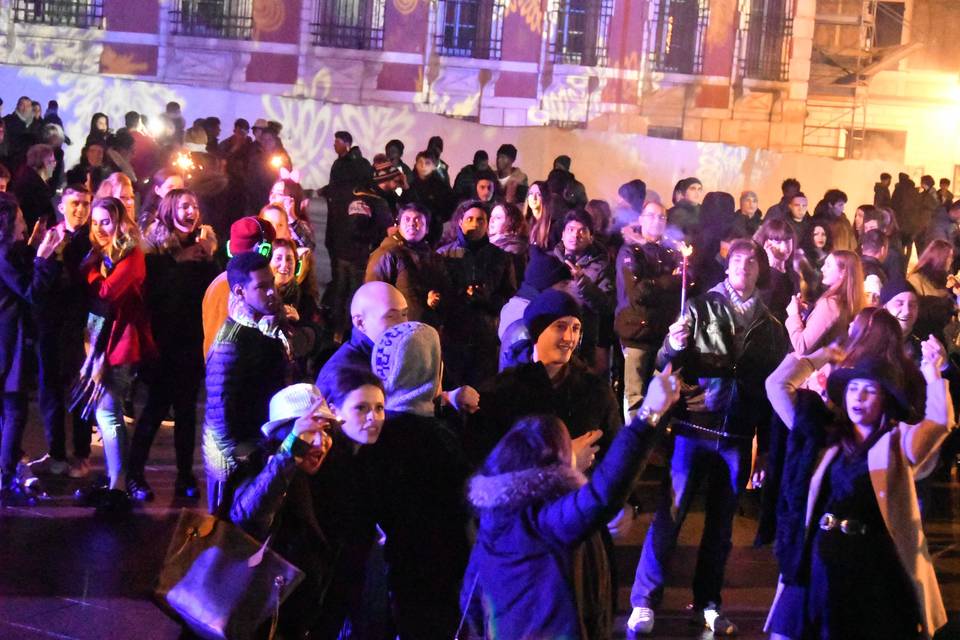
(270, 326)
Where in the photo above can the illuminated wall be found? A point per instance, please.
(138, 61)
(602, 161)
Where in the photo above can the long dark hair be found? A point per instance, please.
(934, 262)
(876, 334)
(534, 441)
(167, 211)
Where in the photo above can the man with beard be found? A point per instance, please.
(481, 281)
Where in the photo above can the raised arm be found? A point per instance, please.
(812, 334)
(783, 383)
(922, 441)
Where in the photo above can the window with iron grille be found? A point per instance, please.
(765, 40)
(213, 18)
(579, 32)
(678, 27)
(470, 28)
(87, 14)
(348, 24)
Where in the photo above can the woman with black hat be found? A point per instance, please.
(854, 562)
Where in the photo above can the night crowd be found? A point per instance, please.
(466, 407)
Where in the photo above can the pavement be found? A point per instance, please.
(66, 574)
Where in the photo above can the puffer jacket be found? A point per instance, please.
(244, 369)
(648, 292)
(414, 269)
(539, 568)
(719, 378)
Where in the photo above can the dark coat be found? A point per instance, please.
(582, 400)
(414, 269)
(353, 353)
(519, 250)
(324, 524)
(354, 237)
(720, 378)
(24, 280)
(905, 203)
(684, 220)
(437, 197)
(419, 472)
(881, 195)
(174, 291)
(35, 197)
(539, 565)
(488, 271)
(648, 292)
(244, 369)
(596, 289)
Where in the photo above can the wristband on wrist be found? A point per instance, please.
(649, 416)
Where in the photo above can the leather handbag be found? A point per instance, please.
(221, 582)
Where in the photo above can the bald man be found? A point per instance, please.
(376, 306)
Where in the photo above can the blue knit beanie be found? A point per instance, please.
(548, 307)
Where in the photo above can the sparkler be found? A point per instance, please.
(276, 161)
(686, 251)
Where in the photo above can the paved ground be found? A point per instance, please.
(65, 574)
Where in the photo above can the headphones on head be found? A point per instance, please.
(264, 247)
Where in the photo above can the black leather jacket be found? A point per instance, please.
(721, 381)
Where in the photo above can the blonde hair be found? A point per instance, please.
(111, 186)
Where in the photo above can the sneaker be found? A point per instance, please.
(167, 420)
(186, 487)
(640, 621)
(49, 466)
(711, 618)
(79, 468)
(139, 489)
(91, 494)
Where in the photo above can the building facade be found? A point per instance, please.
(838, 78)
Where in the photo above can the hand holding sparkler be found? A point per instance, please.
(686, 251)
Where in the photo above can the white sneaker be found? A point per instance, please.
(718, 623)
(641, 620)
(48, 465)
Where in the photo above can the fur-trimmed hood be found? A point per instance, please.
(517, 489)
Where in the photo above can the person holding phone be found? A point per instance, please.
(27, 271)
(180, 265)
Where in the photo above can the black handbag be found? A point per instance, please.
(221, 582)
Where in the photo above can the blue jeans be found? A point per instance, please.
(113, 429)
(724, 465)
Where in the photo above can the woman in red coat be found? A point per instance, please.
(119, 336)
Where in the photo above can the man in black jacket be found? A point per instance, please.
(481, 281)
(245, 367)
(724, 346)
(60, 319)
(648, 299)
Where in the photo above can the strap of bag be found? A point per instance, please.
(463, 617)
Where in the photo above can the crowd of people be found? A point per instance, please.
(479, 386)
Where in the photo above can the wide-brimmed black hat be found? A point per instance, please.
(896, 405)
